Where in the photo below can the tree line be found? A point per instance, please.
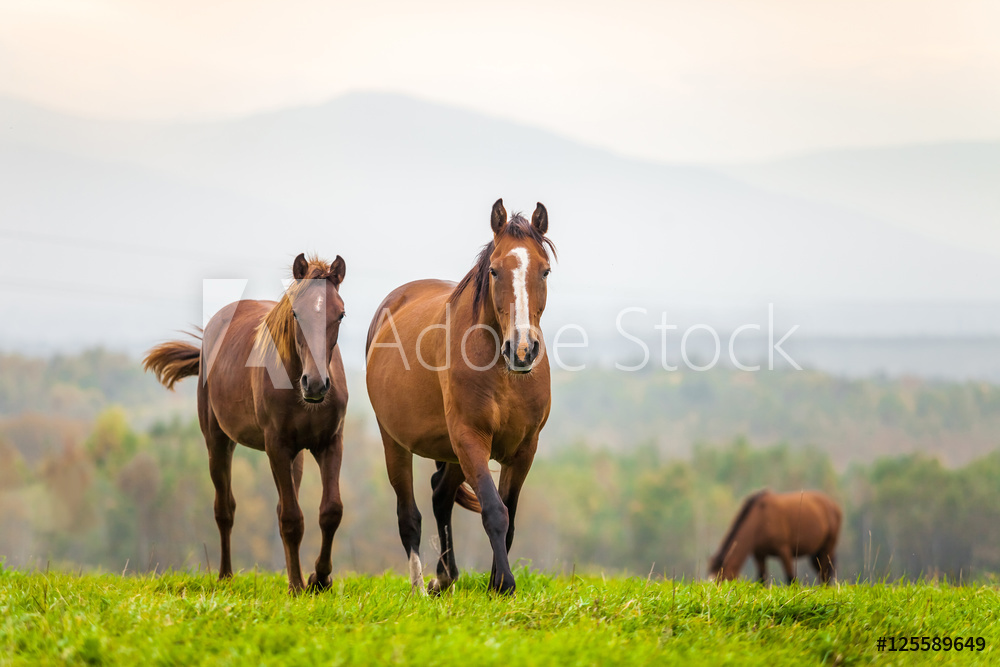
(125, 499)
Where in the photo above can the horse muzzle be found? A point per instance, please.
(313, 391)
(523, 360)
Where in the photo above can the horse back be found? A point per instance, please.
(808, 519)
(420, 292)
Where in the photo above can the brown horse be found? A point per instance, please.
(786, 525)
(250, 350)
(440, 390)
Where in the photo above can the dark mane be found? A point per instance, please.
(517, 227)
(720, 555)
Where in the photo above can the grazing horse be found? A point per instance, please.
(440, 390)
(252, 353)
(786, 525)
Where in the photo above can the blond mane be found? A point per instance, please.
(275, 335)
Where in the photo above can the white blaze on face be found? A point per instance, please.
(315, 332)
(522, 323)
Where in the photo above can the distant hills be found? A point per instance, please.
(946, 190)
(113, 225)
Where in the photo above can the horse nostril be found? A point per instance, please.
(534, 349)
(305, 380)
(506, 349)
(326, 385)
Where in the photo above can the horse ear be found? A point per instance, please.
(498, 219)
(300, 266)
(540, 219)
(337, 271)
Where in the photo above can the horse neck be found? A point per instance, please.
(288, 358)
(737, 548)
(466, 316)
(463, 317)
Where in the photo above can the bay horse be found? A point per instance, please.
(250, 351)
(786, 525)
(440, 390)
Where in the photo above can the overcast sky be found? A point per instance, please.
(703, 81)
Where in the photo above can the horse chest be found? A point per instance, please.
(513, 425)
(506, 444)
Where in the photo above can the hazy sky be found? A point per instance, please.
(704, 80)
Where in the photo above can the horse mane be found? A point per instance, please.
(724, 549)
(517, 227)
(276, 334)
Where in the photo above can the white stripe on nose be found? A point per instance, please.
(521, 322)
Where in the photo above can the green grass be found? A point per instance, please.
(186, 619)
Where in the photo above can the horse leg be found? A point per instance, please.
(220, 466)
(816, 560)
(512, 478)
(445, 483)
(788, 564)
(399, 466)
(331, 510)
(289, 513)
(297, 465)
(761, 568)
(474, 454)
(824, 562)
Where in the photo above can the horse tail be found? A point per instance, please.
(173, 361)
(467, 499)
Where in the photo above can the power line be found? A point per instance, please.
(88, 290)
(117, 246)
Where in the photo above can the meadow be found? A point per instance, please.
(190, 618)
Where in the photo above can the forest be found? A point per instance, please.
(101, 469)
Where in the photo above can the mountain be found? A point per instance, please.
(951, 191)
(92, 212)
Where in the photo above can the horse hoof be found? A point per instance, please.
(437, 587)
(506, 588)
(316, 586)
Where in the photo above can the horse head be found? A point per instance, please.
(518, 269)
(317, 311)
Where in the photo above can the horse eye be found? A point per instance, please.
(342, 316)
(295, 315)
(546, 272)
(493, 273)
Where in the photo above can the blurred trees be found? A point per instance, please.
(96, 471)
(146, 498)
(848, 419)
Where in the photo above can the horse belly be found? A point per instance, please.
(405, 394)
(235, 415)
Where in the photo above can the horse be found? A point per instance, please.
(439, 390)
(786, 525)
(250, 351)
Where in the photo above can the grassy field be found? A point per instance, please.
(186, 619)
